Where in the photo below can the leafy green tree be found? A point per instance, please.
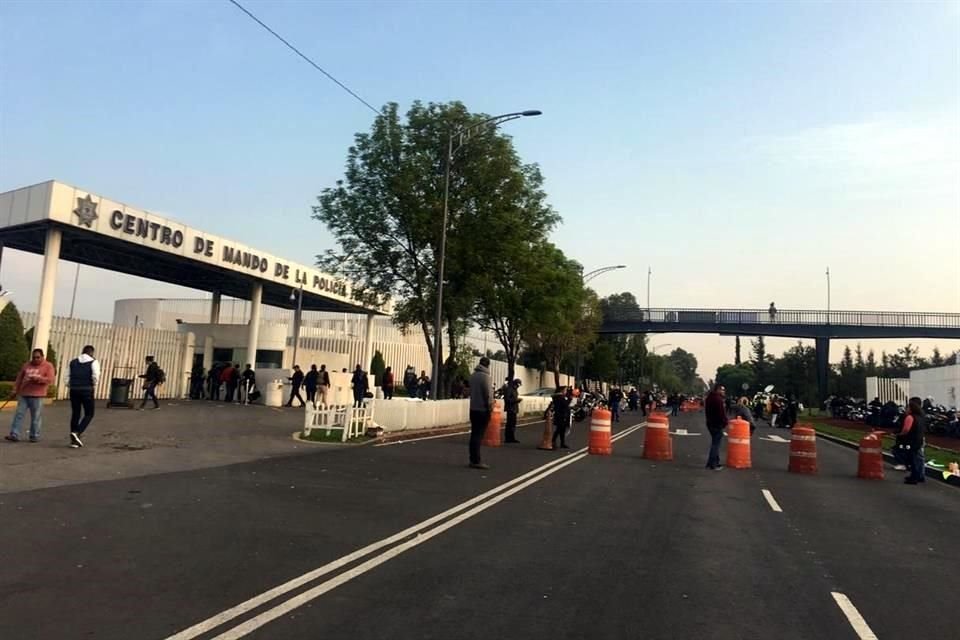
(386, 215)
(601, 363)
(936, 360)
(377, 367)
(14, 350)
(760, 360)
(870, 367)
(736, 351)
(734, 376)
(685, 366)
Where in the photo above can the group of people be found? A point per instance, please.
(35, 377)
(416, 386)
(224, 380)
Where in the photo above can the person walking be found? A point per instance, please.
(359, 381)
(715, 408)
(84, 373)
(388, 384)
(324, 387)
(226, 379)
(310, 382)
(614, 399)
(152, 378)
(560, 405)
(248, 383)
(911, 434)
(213, 382)
(296, 381)
(30, 389)
(511, 401)
(481, 406)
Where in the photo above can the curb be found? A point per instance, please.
(411, 435)
(888, 457)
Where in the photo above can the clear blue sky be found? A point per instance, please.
(737, 148)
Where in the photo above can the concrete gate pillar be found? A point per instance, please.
(48, 286)
(253, 328)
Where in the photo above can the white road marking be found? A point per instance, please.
(684, 432)
(414, 439)
(771, 500)
(234, 612)
(774, 438)
(856, 620)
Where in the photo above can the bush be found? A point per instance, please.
(377, 366)
(50, 354)
(13, 347)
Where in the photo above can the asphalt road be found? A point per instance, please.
(589, 546)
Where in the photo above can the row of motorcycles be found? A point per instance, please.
(941, 420)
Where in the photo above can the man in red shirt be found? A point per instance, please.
(31, 389)
(715, 408)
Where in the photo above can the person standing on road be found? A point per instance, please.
(310, 383)
(481, 406)
(911, 434)
(511, 401)
(213, 382)
(30, 389)
(152, 378)
(296, 381)
(614, 398)
(226, 378)
(388, 384)
(248, 383)
(84, 373)
(359, 381)
(715, 408)
(742, 410)
(560, 405)
(324, 385)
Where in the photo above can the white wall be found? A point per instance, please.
(940, 383)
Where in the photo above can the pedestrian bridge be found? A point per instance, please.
(787, 323)
(821, 326)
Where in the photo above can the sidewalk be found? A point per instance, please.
(122, 443)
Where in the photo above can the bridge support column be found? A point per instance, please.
(823, 367)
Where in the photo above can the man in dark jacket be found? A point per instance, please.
(359, 381)
(296, 381)
(511, 401)
(715, 408)
(310, 382)
(614, 399)
(481, 406)
(560, 406)
(152, 378)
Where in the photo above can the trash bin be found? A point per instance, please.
(120, 393)
(274, 394)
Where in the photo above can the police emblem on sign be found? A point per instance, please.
(86, 211)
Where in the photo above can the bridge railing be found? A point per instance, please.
(790, 316)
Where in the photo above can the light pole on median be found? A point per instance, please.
(461, 136)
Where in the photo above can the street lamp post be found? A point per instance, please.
(649, 273)
(461, 135)
(587, 277)
(828, 295)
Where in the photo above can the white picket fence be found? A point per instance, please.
(403, 415)
(350, 421)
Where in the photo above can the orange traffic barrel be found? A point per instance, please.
(491, 437)
(600, 442)
(738, 444)
(803, 450)
(546, 442)
(870, 464)
(657, 444)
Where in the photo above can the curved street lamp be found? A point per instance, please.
(461, 135)
(587, 277)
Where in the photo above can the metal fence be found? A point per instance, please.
(121, 352)
(765, 316)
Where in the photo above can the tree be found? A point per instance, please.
(734, 376)
(629, 349)
(858, 362)
(601, 363)
(760, 360)
(847, 381)
(377, 367)
(936, 360)
(14, 350)
(736, 351)
(684, 365)
(795, 373)
(870, 369)
(386, 215)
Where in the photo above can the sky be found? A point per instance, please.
(736, 149)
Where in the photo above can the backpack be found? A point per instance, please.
(161, 376)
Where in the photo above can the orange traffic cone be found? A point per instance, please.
(870, 463)
(657, 444)
(803, 450)
(600, 442)
(491, 437)
(546, 442)
(738, 444)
